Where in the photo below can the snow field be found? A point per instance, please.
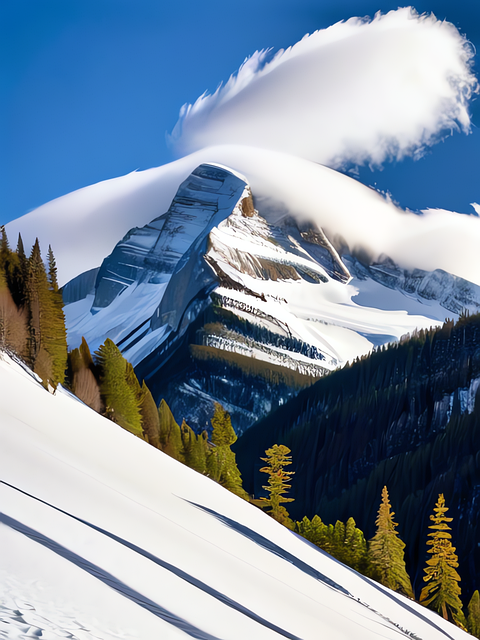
(113, 539)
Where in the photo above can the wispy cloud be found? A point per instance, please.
(359, 91)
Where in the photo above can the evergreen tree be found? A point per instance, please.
(46, 320)
(442, 591)
(86, 355)
(352, 549)
(11, 267)
(38, 303)
(133, 382)
(222, 430)
(170, 434)
(338, 541)
(121, 404)
(150, 418)
(56, 333)
(5, 251)
(21, 254)
(19, 275)
(52, 270)
(221, 462)
(195, 448)
(386, 551)
(473, 618)
(278, 479)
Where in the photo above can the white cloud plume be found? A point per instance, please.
(359, 91)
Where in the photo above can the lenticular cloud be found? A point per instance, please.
(359, 91)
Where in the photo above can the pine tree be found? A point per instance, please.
(56, 333)
(473, 618)
(133, 382)
(221, 462)
(5, 251)
(278, 479)
(195, 448)
(222, 430)
(442, 591)
(21, 253)
(87, 356)
(46, 320)
(10, 265)
(52, 270)
(18, 276)
(170, 434)
(353, 551)
(150, 419)
(16, 271)
(338, 541)
(38, 304)
(386, 551)
(121, 404)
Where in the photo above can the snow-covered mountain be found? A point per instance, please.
(106, 537)
(216, 279)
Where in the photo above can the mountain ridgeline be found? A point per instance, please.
(184, 299)
(407, 416)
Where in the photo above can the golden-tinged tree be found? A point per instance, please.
(278, 483)
(442, 591)
(386, 551)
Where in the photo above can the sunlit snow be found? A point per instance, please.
(106, 537)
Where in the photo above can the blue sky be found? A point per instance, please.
(90, 88)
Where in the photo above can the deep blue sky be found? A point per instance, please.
(90, 87)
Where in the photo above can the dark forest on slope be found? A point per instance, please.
(405, 417)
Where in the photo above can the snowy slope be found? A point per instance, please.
(84, 226)
(106, 537)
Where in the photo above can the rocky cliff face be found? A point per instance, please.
(209, 257)
(407, 417)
